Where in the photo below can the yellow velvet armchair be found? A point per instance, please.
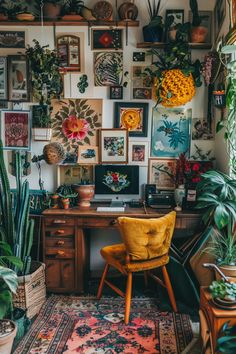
(146, 246)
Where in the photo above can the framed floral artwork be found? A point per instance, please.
(15, 130)
(18, 78)
(88, 155)
(133, 117)
(201, 130)
(113, 146)
(161, 172)
(75, 122)
(170, 132)
(106, 39)
(67, 174)
(138, 153)
(108, 68)
(3, 79)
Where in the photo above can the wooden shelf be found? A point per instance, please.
(161, 45)
(128, 23)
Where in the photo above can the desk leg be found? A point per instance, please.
(82, 260)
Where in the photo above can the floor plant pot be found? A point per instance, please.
(85, 194)
(228, 270)
(152, 34)
(7, 334)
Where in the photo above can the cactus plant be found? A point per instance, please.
(15, 226)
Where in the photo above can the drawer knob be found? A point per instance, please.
(60, 243)
(60, 232)
(58, 221)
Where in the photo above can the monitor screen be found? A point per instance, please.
(116, 179)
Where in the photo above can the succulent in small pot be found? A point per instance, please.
(66, 194)
(223, 290)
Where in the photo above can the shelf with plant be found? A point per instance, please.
(174, 74)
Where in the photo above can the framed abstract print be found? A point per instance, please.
(3, 79)
(133, 117)
(15, 130)
(142, 84)
(114, 146)
(18, 82)
(138, 153)
(108, 68)
(162, 173)
(170, 132)
(106, 39)
(87, 155)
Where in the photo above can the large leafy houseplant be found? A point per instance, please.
(217, 197)
(173, 72)
(16, 228)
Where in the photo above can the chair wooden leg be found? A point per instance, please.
(146, 278)
(169, 288)
(128, 296)
(104, 274)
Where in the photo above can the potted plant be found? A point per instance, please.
(154, 30)
(41, 123)
(52, 9)
(223, 292)
(198, 33)
(174, 75)
(85, 190)
(72, 9)
(65, 192)
(3, 11)
(216, 197)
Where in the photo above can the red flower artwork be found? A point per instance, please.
(75, 128)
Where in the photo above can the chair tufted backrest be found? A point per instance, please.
(147, 238)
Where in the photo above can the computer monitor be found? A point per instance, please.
(116, 180)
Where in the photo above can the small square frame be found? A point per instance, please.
(114, 146)
(116, 92)
(20, 121)
(18, 78)
(88, 155)
(107, 39)
(138, 152)
(161, 172)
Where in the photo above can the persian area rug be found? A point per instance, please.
(85, 325)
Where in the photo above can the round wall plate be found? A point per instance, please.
(102, 10)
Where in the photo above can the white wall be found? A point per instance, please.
(45, 35)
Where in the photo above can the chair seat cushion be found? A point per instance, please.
(115, 255)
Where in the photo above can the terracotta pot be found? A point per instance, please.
(85, 193)
(229, 271)
(6, 341)
(51, 10)
(55, 201)
(198, 34)
(65, 203)
(3, 17)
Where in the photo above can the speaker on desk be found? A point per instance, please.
(149, 189)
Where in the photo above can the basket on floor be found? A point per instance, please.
(31, 292)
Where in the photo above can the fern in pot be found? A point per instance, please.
(217, 198)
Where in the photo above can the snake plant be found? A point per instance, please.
(15, 226)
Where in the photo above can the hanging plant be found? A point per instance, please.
(175, 75)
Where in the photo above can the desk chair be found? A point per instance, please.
(146, 246)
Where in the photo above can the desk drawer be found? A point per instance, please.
(57, 253)
(97, 222)
(66, 242)
(60, 231)
(58, 220)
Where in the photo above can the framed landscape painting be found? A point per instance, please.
(170, 132)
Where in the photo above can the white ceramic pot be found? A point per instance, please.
(179, 195)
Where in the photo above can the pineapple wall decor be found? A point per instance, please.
(75, 121)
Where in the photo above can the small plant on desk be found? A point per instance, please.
(66, 193)
(221, 289)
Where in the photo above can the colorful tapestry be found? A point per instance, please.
(85, 325)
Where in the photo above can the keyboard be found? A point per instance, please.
(111, 209)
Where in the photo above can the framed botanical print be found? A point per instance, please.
(113, 146)
(3, 79)
(87, 155)
(142, 83)
(18, 82)
(161, 172)
(170, 132)
(15, 130)
(133, 117)
(138, 153)
(107, 39)
(67, 174)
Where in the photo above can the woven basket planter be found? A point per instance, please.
(31, 292)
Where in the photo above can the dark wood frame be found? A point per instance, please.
(133, 105)
(172, 12)
(119, 93)
(8, 35)
(96, 45)
(209, 23)
(68, 65)
(115, 161)
(4, 90)
(23, 92)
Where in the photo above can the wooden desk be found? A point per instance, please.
(215, 317)
(66, 248)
